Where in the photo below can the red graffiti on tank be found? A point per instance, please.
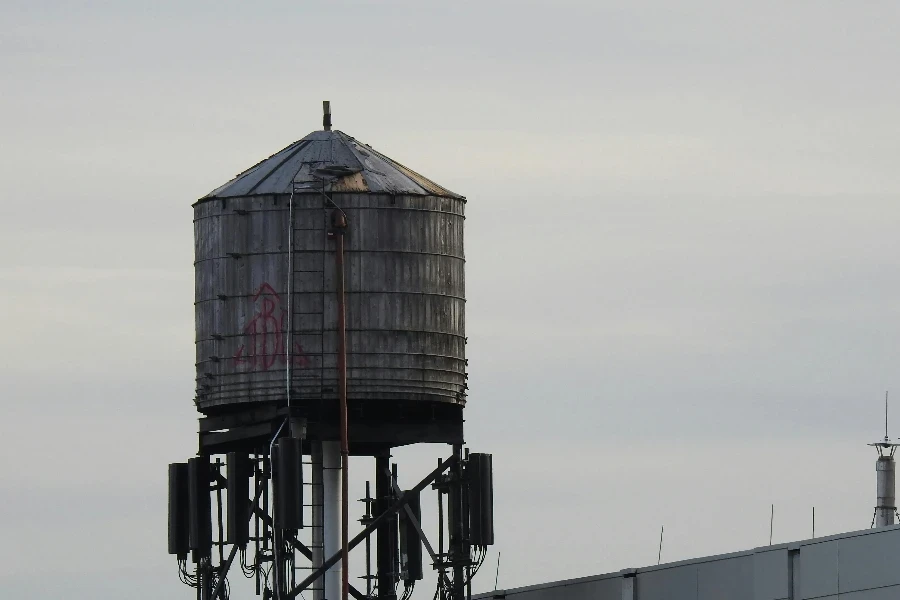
(265, 335)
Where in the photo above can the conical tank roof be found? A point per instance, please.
(333, 157)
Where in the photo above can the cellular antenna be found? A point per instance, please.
(885, 476)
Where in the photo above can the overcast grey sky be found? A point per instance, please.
(682, 240)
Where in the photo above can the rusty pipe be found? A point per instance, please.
(339, 224)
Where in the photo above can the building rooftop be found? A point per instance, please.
(862, 565)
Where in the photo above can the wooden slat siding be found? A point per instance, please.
(405, 302)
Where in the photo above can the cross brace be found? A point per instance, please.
(372, 526)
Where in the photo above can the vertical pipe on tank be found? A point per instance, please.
(339, 221)
(385, 549)
(331, 515)
(318, 519)
(886, 481)
(455, 517)
(467, 534)
(203, 588)
(288, 343)
(440, 498)
(257, 478)
(366, 521)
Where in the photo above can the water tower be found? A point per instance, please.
(330, 321)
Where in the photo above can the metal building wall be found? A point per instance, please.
(863, 565)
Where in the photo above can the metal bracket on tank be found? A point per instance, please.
(338, 222)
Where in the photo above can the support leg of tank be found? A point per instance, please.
(455, 517)
(386, 551)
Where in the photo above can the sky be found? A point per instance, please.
(682, 259)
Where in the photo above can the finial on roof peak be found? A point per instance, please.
(326, 117)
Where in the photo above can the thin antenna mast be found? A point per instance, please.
(771, 524)
(497, 574)
(885, 472)
(659, 556)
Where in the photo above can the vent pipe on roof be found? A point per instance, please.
(885, 473)
(887, 503)
(326, 117)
